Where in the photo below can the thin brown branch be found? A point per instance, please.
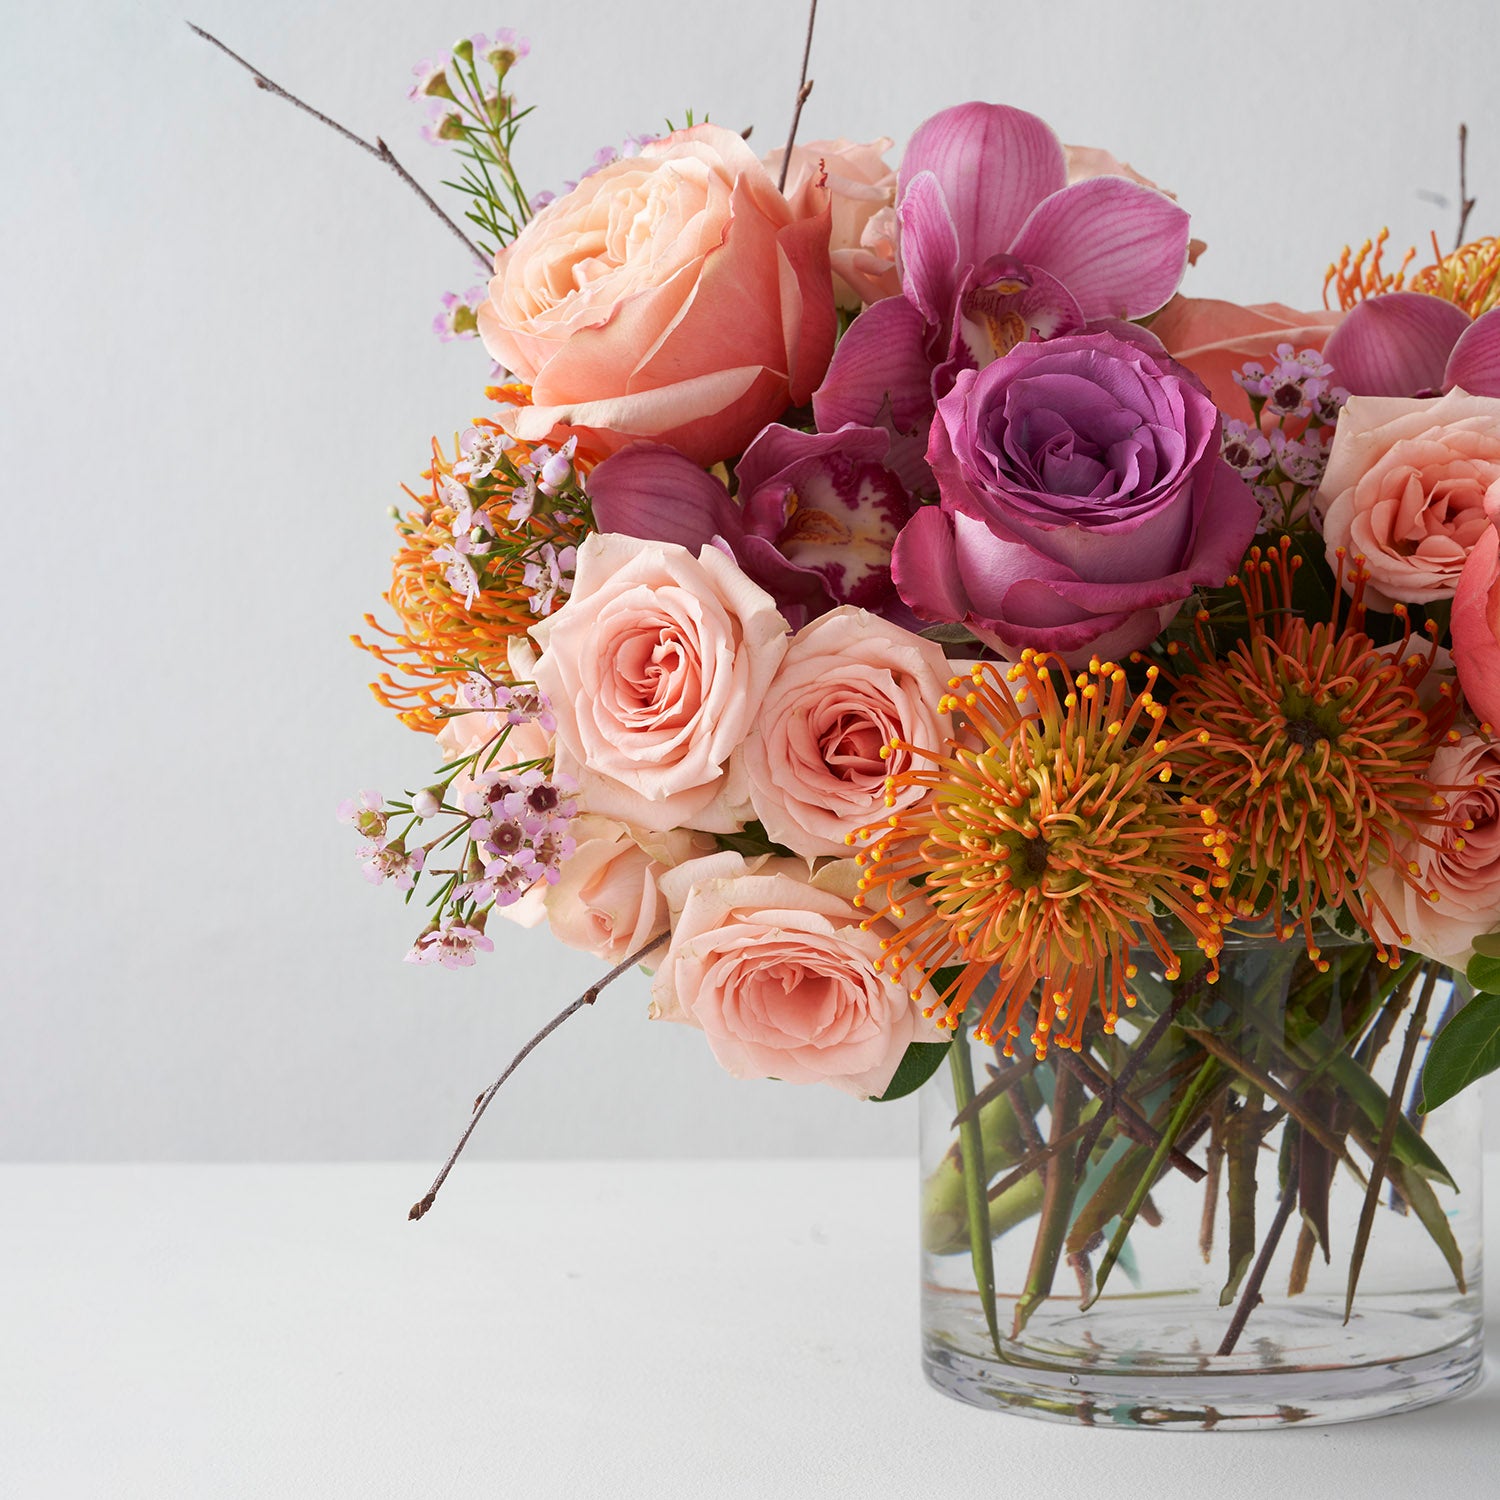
(376, 148)
(1142, 1049)
(1250, 1297)
(1465, 202)
(1132, 1122)
(1388, 1135)
(804, 88)
(482, 1103)
(1001, 1081)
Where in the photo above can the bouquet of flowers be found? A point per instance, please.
(876, 602)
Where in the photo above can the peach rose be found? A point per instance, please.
(608, 900)
(1463, 868)
(860, 188)
(849, 684)
(1476, 628)
(1406, 487)
(1214, 339)
(672, 295)
(774, 968)
(656, 668)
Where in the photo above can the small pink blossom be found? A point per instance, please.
(392, 861)
(367, 815)
(453, 946)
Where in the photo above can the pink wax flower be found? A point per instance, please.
(655, 669)
(1083, 499)
(1476, 628)
(1458, 864)
(860, 189)
(673, 296)
(1216, 339)
(777, 969)
(1406, 488)
(818, 756)
(997, 247)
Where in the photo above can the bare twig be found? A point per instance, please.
(1132, 1122)
(377, 148)
(804, 88)
(482, 1103)
(1250, 1297)
(1388, 1135)
(1465, 202)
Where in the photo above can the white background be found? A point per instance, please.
(217, 370)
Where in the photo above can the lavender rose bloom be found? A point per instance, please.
(1083, 498)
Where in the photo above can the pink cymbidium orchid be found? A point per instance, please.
(1415, 344)
(813, 523)
(996, 248)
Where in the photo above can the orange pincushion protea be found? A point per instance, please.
(1316, 745)
(442, 630)
(1047, 847)
(1468, 277)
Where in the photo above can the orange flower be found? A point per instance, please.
(444, 631)
(1045, 850)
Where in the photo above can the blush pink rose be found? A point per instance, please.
(1464, 867)
(608, 899)
(850, 683)
(860, 189)
(656, 668)
(1475, 628)
(1214, 339)
(672, 295)
(775, 970)
(1406, 487)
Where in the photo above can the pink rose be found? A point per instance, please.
(856, 183)
(656, 668)
(850, 683)
(1406, 486)
(672, 295)
(608, 900)
(1214, 339)
(1475, 627)
(1464, 867)
(776, 971)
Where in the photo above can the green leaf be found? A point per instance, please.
(1489, 945)
(918, 1063)
(1467, 1048)
(1483, 971)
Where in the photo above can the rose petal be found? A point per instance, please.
(1119, 248)
(1476, 628)
(1395, 345)
(994, 165)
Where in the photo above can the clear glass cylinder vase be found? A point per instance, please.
(1173, 1226)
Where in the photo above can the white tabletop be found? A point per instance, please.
(574, 1329)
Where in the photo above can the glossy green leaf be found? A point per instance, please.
(1465, 1049)
(1489, 945)
(1484, 972)
(918, 1063)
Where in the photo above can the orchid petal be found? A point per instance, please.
(1119, 248)
(1396, 344)
(994, 164)
(928, 249)
(657, 494)
(1474, 365)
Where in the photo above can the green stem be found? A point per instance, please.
(1057, 1202)
(976, 1180)
(1187, 1108)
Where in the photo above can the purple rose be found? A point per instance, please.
(1083, 498)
